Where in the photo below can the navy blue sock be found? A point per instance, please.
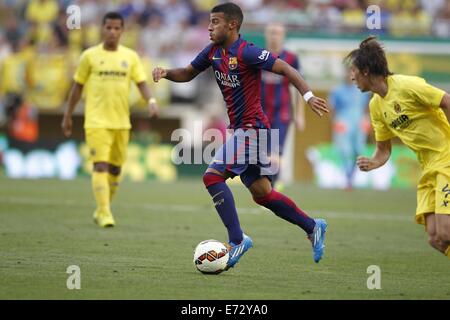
(225, 206)
(286, 209)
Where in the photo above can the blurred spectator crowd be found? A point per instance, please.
(398, 17)
(38, 53)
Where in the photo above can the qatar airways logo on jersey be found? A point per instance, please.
(224, 79)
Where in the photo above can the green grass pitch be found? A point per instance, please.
(46, 226)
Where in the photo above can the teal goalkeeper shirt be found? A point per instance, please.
(349, 104)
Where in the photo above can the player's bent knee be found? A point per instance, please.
(433, 241)
(259, 195)
(114, 170)
(261, 188)
(264, 198)
(210, 178)
(443, 236)
(101, 166)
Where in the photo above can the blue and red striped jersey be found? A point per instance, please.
(238, 73)
(275, 95)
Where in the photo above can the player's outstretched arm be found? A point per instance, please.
(300, 122)
(318, 105)
(175, 75)
(445, 105)
(298, 109)
(380, 156)
(74, 97)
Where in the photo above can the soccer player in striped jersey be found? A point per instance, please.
(237, 67)
(276, 94)
(409, 108)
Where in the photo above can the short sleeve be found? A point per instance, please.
(258, 58)
(83, 70)
(382, 132)
(137, 72)
(202, 61)
(296, 63)
(426, 94)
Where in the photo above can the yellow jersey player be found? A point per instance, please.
(418, 113)
(106, 70)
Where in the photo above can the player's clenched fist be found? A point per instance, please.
(364, 163)
(318, 105)
(159, 73)
(66, 126)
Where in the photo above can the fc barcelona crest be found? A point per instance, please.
(397, 107)
(232, 63)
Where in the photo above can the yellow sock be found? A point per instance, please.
(100, 186)
(447, 252)
(113, 185)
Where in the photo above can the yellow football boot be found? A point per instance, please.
(104, 219)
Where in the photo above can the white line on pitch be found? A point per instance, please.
(160, 207)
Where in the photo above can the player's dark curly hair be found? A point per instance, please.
(113, 16)
(231, 11)
(369, 57)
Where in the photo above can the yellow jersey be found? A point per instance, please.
(42, 11)
(49, 75)
(410, 110)
(13, 74)
(106, 76)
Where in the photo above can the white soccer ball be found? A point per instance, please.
(211, 256)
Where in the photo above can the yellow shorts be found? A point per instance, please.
(107, 145)
(433, 193)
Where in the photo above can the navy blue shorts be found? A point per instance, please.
(283, 128)
(246, 154)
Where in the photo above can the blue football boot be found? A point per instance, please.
(236, 251)
(317, 238)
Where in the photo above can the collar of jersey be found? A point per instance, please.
(109, 51)
(233, 46)
(389, 82)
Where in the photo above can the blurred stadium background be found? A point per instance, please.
(38, 55)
